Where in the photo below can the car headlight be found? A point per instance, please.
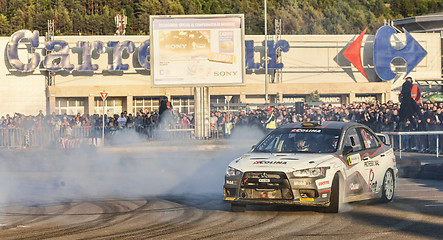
(310, 172)
(231, 172)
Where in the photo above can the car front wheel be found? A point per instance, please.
(388, 187)
(335, 196)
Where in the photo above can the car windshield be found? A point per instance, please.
(307, 140)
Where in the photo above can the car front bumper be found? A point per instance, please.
(280, 189)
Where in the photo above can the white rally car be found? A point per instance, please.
(313, 164)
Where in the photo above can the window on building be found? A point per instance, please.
(70, 106)
(145, 104)
(183, 104)
(113, 106)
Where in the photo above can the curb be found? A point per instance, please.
(412, 168)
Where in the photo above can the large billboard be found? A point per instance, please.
(197, 50)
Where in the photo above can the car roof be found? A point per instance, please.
(326, 125)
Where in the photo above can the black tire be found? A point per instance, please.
(388, 186)
(334, 199)
(238, 207)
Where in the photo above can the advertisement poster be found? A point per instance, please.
(202, 50)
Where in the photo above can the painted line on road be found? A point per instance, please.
(420, 184)
(434, 205)
(415, 190)
(428, 198)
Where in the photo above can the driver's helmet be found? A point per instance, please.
(302, 145)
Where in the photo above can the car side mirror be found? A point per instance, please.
(347, 150)
(253, 146)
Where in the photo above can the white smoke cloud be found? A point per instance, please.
(133, 168)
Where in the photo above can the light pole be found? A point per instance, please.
(266, 54)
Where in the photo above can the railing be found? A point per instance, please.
(417, 133)
(44, 136)
(60, 138)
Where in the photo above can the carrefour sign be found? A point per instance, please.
(57, 56)
(384, 53)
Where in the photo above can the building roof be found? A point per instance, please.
(426, 23)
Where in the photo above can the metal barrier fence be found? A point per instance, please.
(45, 136)
(418, 133)
(69, 138)
(62, 138)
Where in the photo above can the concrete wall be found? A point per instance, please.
(19, 93)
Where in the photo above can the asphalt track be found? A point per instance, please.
(416, 213)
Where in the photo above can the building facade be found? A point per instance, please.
(311, 63)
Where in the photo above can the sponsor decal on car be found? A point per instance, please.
(230, 198)
(231, 182)
(303, 183)
(302, 130)
(372, 186)
(354, 186)
(306, 199)
(373, 163)
(323, 183)
(269, 162)
(353, 159)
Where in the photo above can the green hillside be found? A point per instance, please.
(96, 17)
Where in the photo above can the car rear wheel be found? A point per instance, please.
(238, 207)
(335, 196)
(388, 187)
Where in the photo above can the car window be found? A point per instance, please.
(369, 140)
(310, 140)
(352, 140)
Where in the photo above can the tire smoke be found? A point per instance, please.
(128, 170)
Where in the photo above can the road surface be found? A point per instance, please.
(124, 193)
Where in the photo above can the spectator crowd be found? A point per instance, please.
(381, 117)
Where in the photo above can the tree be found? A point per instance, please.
(298, 17)
(4, 25)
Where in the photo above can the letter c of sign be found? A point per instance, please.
(117, 51)
(12, 51)
(143, 55)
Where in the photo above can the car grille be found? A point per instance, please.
(265, 185)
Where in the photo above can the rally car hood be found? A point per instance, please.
(284, 162)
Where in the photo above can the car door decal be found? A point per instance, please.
(372, 185)
(345, 162)
(373, 154)
(355, 184)
(353, 159)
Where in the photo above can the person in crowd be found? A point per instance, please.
(271, 122)
(122, 120)
(408, 107)
(166, 114)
